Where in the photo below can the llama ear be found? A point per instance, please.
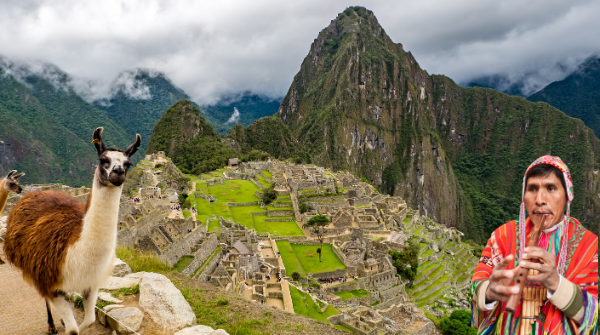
(10, 173)
(17, 176)
(134, 146)
(97, 140)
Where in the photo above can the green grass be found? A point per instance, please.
(288, 228)
(243, 214)
(313, 310)
(267, 173)
(141, 261)
(261, 180)
(212, 225)
(186, 213)
(238, 191)
(290, 261)
(345, 295)
(427, 253)
(183, 263)
(340, 327)
(305, 259)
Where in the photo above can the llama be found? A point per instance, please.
(9, 184)
(63, 245)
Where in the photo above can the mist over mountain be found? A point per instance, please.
(578, 95)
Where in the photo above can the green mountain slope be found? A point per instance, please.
(190, 141)
(138, 100)
(362, 103)
(578, 95)
(45, 131)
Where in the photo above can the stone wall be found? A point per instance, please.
(180, 247)
(206, 249)
(316, 204)
(388, 303)
(280, 213)
(391, 292)
(242, 204)
(359, 201)
(330, 274)
(259, 185)
(210, 268)
(347, 286)
(282, 204)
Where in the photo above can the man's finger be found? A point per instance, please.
(532, 266)
(505, 290)
(504, 262)
(504, 274)
(498, 297)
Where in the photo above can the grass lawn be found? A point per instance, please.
(242, 214)
(271, 208)
(313, 310)
(345, 295)
(288, 228)
(183, 263)
(261, 180)
(267, 173)
(290, 261)
(186, 213)
(305, 259)
(238, 191)
(201, 186)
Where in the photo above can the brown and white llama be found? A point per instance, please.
(63, 245)
(8, 184)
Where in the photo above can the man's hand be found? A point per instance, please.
(548, 276)
(500, 281)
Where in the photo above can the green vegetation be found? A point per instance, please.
(183, 263)
(269, 195)
(406, 262)
(141, 261)
(313, 310)
(250, 106)
(304, 258)
(459, 323)
(345, 295)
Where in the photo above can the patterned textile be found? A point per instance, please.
(581, 269)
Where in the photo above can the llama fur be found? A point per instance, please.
(63, 245)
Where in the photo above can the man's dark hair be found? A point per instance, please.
(545, 170)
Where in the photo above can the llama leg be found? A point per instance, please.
(89, 304)
(51, 327)
(61, 304)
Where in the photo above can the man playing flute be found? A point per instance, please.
(566, 267)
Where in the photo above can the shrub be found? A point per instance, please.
(406, 262)
(269, 195)
(222, 302)
(458, 324)
(304, 207)
(296, 276)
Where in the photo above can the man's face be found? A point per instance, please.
(545, 196)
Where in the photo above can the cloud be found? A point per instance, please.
(235, 116)
(213, 48)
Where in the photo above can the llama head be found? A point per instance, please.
(114, 163)
(11, 182)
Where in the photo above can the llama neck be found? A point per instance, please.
(3, 195)
(100, 221)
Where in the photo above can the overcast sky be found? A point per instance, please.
(210, 48)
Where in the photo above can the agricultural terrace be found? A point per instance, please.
(252, 216)
(305, 259)
(305, 306)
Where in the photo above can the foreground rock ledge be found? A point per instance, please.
(201, 330)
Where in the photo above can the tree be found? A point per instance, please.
(317, 223)
(406, 261)
(458, 323)
(269, 195)
(304, 207)
(296, 276)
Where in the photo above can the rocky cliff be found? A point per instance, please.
(361, 102)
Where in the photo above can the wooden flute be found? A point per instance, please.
(521, 277)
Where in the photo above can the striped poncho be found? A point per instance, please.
(572, 309)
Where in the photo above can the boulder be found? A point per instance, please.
(115, 283)
(108, 297)
(164, 303)
(125, 320)
(120, 268)
(106, 309)
(201, 330)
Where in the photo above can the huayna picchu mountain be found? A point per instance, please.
(361, 102)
